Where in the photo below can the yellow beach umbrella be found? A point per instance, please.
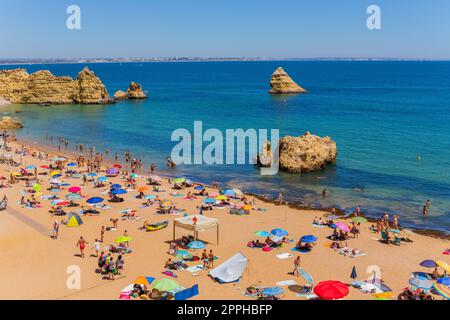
(37, 187)
(123, 239)
(247, 208)
(143, 188)
(384, 295)
(443, 265)
(221, 197)
(54, 173)
(16, 174)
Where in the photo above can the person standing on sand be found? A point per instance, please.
(96, 247)
(280, 198)
(55, 230)
(102, 233)
(205, 259)
(82, 244)
(211, 259)
(296, 271)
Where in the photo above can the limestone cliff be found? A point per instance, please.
(19, 87)
(7, 123)
(281, 83)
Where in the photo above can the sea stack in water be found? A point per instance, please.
(306, 153)
(7, 123)
(42, 87)
(281, 83)
(134, 92)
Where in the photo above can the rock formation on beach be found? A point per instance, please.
(7, 123)
(42, 87)
(120, 95)
(306, 153)
(281, 83)
(301, 154)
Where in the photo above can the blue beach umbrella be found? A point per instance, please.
(150, 196)
(421, 283)
(262, 233)
(308, 239)
(92, 174)
(118, 191)
(94, 200)
(134, 175)
(279, 232)
(72, 164)
(102, 179)
(209, 200)
(31, 167)
(272, 291)
(444, 281)
(200, 188)
(116, 186)
(229, 193)
(196, 245)
(56, 176)
(428, 264)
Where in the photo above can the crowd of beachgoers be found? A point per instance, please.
(114, 210)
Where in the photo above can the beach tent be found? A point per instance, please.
(231, 270)
(196, 223)
(187, 293)
(74, 220)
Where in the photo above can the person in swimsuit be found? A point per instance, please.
(296, 271)
(205, 259)
(82, 244)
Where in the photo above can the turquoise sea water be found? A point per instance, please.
(382, 114)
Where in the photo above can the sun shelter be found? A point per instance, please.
(231, 270)
(196, 223)
(74, 220)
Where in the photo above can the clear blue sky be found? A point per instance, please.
(225, 28)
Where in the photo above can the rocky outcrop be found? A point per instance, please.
(120, 95)
(281, 83)
(306, 153)
(7, 123)
(135, 91)
(42, 87)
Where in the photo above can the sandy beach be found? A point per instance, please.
(34, 266)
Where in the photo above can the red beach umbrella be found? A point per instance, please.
(44, 166)
(74, 189)
(63, 203)
(331, 290)
(117, 166)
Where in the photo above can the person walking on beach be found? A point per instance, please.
(102, 233)
(96, 247)
(55, 230)
(119, 264)
(82, 244)
(280, 198)
(296, 271)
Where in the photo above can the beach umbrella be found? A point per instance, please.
(119, 191)
(155, 178)
(16, 174)
(74, 189)
(94, 200)
(179, 180)
(102, 179)
(331, 290)
(166, 203)
(200, 188)
(279, 232)
(57, 176)
(444, 281)
(239, 205)
(37, 187)
(196, 245)
(165, 284)
(221, 197)
(92, 174)
(112, 171)
(238, 192)
(31, 167)
(74, 196)
(54, 173)
(272, 291)
(428, 264)
(247, 207)
(262, 233)
(145, 281)
(133, 175)
(359, 219)
(213, 194)
(353, 275)
(123, 239)
(56, 202)
(443, 265)
(44, 166)
(55, 181)
(116, 165)
(116, 186)
(421, 283)
(443, 290)
(308, 239)
(209, 200)
(150, 196)
(72, 164)
(229, 193)
(63, 203)
(342, 226)
(143, 188)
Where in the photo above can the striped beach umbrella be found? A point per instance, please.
(443, 290)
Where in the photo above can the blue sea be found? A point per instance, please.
(390, 119)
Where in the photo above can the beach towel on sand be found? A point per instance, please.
(283, 256)
(196, 268)
(300, 250)
(286, 283)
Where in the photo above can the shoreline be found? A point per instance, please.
(72, 154)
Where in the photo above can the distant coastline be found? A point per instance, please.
(22, 61)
